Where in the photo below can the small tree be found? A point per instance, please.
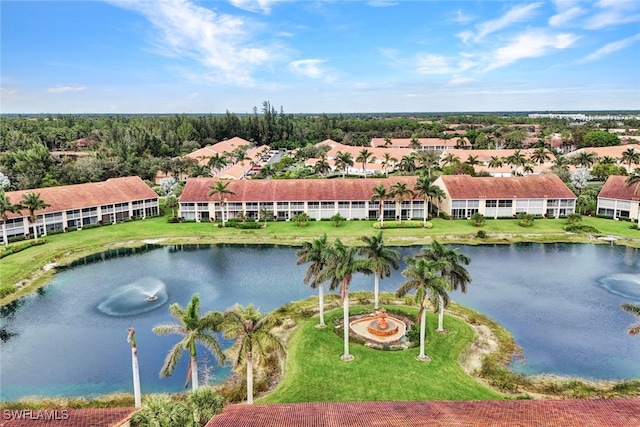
(478, 219)
(525, 219)
(302, 218)
(32, 202)
(574, 218)
(337, 219)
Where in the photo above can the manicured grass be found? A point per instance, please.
(65, 247)
(315, 373)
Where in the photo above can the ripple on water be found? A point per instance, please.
(139, 297)
(624, 285)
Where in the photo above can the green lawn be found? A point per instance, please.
(65, 247)
(315, 373)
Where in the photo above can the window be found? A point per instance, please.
(491, 203)
(505, 203)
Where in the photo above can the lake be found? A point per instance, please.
(560, 301)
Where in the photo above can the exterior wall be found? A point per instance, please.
(75, 219)
(618, 208)
(496, 208)
(285, 210)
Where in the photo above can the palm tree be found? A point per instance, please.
(221, 190)
(131, 338)
(195, 329)
(380, 194)
(342, 264)
(253, 338)
(217, 163)
(540, 155)
(516, 160)
(322, 166)
(450, 159)
(439, 195)
(343, 161)
(388, 160)
(607, 160)
(414, 144)
(472, 160)
(33, 203)
(399, 191)
(633, 309)
(585, 159)
(561, 162)
(6, 207)
(265, 212)
(408, 162)
(630, 156)
(315, 252)
(172, 203)
(423, 277)
(495, 162)
(429, 159)
(384, 259)
(426, 189)
(452, 270)
(364, 157)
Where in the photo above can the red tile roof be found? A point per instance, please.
(518, 187)
(506, 413)
(617, 188)
(268, 190)
(114, 190)
(102, 417)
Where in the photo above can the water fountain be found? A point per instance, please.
(379, 328)
(624, 285)
(139, 297)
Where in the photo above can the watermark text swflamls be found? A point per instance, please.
(31, 414)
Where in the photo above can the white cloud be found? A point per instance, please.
(531, 44)
(254, 5)
(458, 81)
(461, 18)
(614, 12)
(566, 16)
(216, 41)
(194, 95)
(612, 47)
(311, 68)
(518, 13)
(434, 64)
(63, 89)
(380, 3)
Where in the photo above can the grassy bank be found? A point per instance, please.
(315, 373)
(31, 268)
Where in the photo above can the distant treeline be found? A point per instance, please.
(122, 145)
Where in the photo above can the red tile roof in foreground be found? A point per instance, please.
(617, 188)
(269, 190)
(114, 190)
(507, 413)
(103, 417)
(518, 187)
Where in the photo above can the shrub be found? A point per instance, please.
(173, 220)
(581, 229)
(478, 219)
(525, 219)
(162, 411)
(205, 402)
(481, 234)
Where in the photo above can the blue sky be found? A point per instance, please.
(185, 56)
